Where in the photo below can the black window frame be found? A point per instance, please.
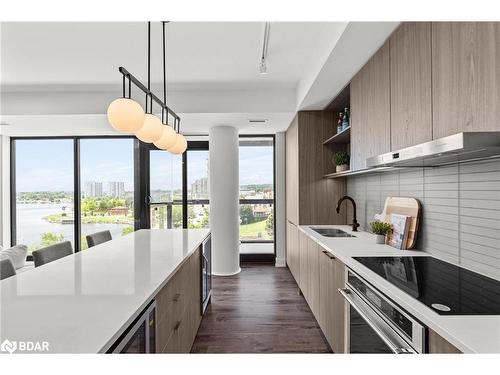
(76, 181)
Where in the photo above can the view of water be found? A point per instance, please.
(31, 224)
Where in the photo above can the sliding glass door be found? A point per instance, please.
(174, 189)
(67, 187)
(43, 192)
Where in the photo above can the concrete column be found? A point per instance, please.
(224, 200)
(279, 210)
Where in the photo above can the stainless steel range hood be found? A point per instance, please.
(457, 148)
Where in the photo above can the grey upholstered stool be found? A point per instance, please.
(50, 253)
(98, 238)
(6, 269)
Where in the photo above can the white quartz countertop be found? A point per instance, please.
(82, 303)
(470, 333)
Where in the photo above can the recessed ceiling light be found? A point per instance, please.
(5, 124)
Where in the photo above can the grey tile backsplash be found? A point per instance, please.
(460, 209)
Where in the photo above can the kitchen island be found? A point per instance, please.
(84, 302)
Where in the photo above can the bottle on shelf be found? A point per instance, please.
(345, 119)
(339, 123)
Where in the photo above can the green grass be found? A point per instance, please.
(251, 231)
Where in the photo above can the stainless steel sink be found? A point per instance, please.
(332, 232)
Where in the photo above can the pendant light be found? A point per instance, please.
(168, 137)
(152, 128)
(125, 114)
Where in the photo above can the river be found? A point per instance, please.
(31, 224)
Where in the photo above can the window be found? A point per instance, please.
(165, 189)
(44, 192)
(45, 187)
(257, 190)
(106, 186)
(198, 189)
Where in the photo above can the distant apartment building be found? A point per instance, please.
(93, 189)
(116, 189)
(200, 189)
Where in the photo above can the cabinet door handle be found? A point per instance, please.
(328, 254)
(177, 325)
(176, 297)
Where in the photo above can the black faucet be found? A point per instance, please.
(355, 223)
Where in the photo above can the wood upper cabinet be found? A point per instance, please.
(331, 315)
(370, 109)
(411, 99)
(310, 198)
(465, 77)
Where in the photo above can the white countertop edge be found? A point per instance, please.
(127, 323)
(420, 311)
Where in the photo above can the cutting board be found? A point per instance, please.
(403, 206)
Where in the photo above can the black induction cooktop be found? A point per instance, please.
(445, 288)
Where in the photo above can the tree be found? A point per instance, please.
(50, 238)
(127, 230)
(270, 224)
(246, 214)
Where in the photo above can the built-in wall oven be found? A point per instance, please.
(377, 324)
(206, 272)
(140, 337)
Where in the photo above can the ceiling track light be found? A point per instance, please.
(126, 115)
(265, 44)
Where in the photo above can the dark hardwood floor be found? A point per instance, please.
(258, 311)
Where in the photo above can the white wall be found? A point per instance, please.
(280, 214)
(4, 191)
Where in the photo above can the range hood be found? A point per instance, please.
(457, 148)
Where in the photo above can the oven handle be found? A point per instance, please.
(395, 348)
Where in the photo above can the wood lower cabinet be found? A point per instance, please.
(438, 345)
(321, 276)
(331, 316)
(292, 252)
(179, 308)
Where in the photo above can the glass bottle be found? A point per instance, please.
(345, 119)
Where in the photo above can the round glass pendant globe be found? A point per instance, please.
(151, 129)
(167, 139)
(125, 115)
(180, 145)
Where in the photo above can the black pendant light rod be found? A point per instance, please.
(145, 90)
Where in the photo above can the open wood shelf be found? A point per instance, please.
(343, 137)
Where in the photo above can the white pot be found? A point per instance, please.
(341, 168)
(380, 239)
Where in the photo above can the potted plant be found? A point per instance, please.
(380, 229)
(341, 160)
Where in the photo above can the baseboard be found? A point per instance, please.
(280, 262)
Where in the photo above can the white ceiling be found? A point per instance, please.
(55, 73)
(197, 53)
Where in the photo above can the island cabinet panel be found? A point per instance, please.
(465, 77)
(179, 308)
(438, 345)
(292, 253)
(370, 109)
(310, 198)
(411, 99)
(331, 315)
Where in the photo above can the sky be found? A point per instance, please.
(47, 165)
